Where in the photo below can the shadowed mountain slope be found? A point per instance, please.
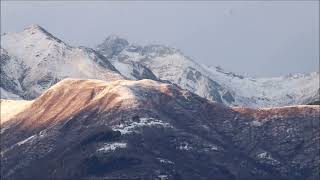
(151, 130)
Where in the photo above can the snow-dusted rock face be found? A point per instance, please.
(11, 73)
(91, 129)
(215, 83)
(269, 92)
(133, 70)
(33, 60)
(112, 46)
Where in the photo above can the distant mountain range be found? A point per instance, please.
(33, 60)
(212, 83)
(91, 129)
(123, 111)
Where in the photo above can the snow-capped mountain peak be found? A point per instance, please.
(35, 28)
(45, 59)
(38, 31)
(112, 45)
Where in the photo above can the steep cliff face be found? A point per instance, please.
(148, 130)
(33, 60)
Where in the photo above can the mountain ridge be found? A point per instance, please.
(214, 83)
(54, 60)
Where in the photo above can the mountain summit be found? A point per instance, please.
(36, 29)
(35, 60)
(112, 45)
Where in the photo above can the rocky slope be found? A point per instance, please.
(212, 83)
(151, 130)
(33, 60)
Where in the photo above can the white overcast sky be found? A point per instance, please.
(257, 38)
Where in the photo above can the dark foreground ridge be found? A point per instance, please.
(150, 130)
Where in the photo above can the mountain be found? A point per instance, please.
(91, 129)
(212, 83)
(33, 60)
(112, 46)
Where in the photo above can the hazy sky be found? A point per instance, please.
(257, 38)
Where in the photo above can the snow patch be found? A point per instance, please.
(108, 147)
(165, 161)
(30, 139)
(185, 146)
(213, 147)
(26, 140)
(163, 177)
(144, 122)
(267, 158)
(256, 123)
